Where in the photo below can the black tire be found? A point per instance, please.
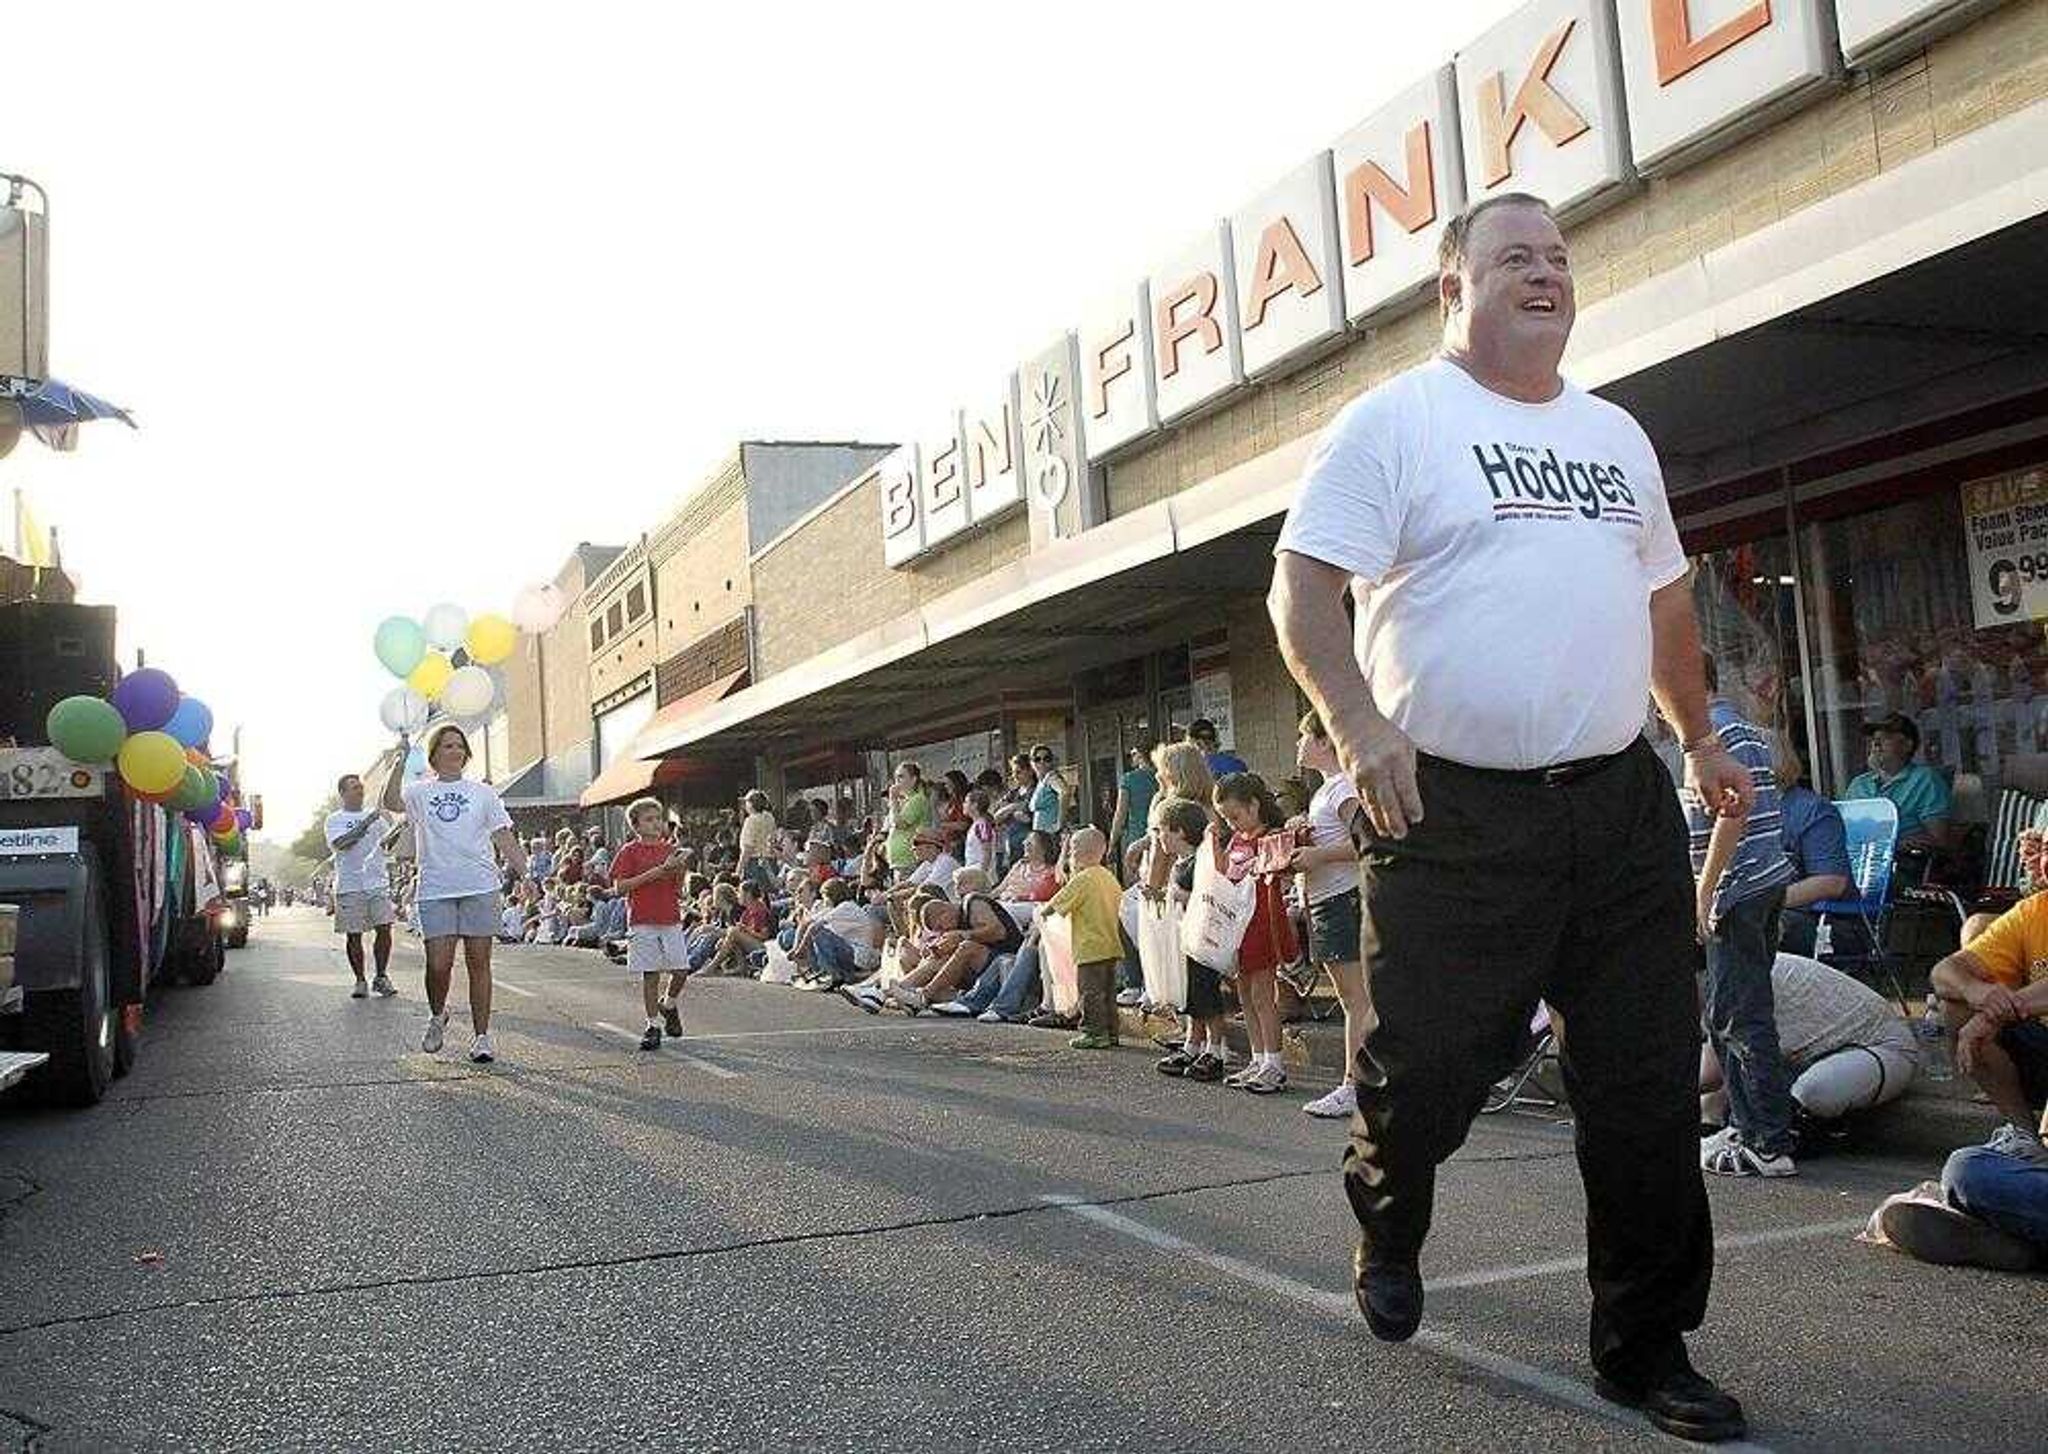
(238, 938)
(127, 1041)
(79, 1028)
(207, 956)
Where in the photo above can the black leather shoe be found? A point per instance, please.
(1390, 1296)
(1681, 1402)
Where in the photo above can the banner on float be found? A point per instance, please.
(2005, 527)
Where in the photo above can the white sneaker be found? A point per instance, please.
(1129, 998)
(383, 986)
(1264, 1080)
(481, 1050)
(1239, 1076)
(1338, 1103)
(2012, 1140)
(1738, 1158)
(951, 1007)
(1714, 1145)
(989, 1017)
(360, 992)
(437, 1031)
(909, 996)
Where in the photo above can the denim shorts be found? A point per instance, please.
(1333, 929)
(473, 916)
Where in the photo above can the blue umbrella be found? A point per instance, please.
(54, 410)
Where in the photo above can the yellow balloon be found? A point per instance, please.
(152, 762)
(490, 639)
(430, 675)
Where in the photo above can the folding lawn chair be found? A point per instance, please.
(1872, 826)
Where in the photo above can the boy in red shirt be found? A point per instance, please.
(649, 872)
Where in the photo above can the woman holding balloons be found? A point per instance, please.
(457, 824)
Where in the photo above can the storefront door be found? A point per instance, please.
(1109, 734)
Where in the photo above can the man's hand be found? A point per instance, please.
(1971, 1040)
(1381, 762)
(1994, 1002)
(1722, 785)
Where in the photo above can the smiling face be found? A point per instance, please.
(352, 794)
(1512, 297)
(449, 753)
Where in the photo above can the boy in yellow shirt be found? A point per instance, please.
(1091, 897)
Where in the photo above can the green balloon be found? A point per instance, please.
(196, 791)
(86, 729)
(401, 642)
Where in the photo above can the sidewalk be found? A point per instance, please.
(1930, 1119)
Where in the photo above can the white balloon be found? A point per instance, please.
(403, 710)
(447, 626)
(469, 692)
(538, 608)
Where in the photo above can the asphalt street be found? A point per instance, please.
(804, 1228)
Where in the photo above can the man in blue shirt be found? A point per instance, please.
(1743, 870)
(1917, 790)
(1222, 763)
(1817, 842)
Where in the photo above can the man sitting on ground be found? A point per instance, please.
(1844, 1044)
(970, 935)
(1994, 991)
(839, 943)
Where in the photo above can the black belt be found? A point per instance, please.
(1557, 775)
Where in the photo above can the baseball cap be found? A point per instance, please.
(1897, 722)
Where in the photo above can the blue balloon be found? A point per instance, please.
(416, 762)
(192, 723)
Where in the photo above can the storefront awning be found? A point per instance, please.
(641, 766)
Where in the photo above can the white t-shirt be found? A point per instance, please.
(1503, 556)
(980, 845)
(1820, 1010)
(757, 835)
(361, 868)
(452, 825)
(938, 873)
(1327, 824)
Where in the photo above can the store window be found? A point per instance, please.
(615, 619)
(596, 635)
(636, 603)
(1892, 627)
(1749, 624)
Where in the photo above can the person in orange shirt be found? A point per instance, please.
(1995, 993)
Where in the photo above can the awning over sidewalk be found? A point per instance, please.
(641, 766)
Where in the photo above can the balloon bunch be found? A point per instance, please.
(155, 736)
(445, 661)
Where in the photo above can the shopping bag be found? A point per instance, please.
(1219, 911)
(1159, 953)
(780, 968)
(1056, 962)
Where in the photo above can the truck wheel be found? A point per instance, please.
(203, 964)
(79, 1028)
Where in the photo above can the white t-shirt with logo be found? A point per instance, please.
(452, 823)
(1503, 556)
(1328, 823)
(360, 868)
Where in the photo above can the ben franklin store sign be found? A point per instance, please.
(1572, 100)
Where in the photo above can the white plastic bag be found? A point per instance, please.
(1219, 911)
(1159, 953)
(780, 969)
(1056, 962)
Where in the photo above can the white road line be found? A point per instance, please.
(506, 984)
(704, 1065)
(618, 1030)
(1813, 1231)
(1340, 1306)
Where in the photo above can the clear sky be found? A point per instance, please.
(409, 298)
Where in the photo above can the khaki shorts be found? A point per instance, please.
(652, 948)
(358, 913)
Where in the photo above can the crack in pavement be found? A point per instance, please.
(1033, 1208)
(32, 1430)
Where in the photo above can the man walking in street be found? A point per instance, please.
(1521, 592)
(362, 884)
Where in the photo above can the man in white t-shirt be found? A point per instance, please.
(1520, 591)
(362, 884)
(458, 828)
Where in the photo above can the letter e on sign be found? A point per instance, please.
(942, 485)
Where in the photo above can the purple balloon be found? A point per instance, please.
(222, 793)
(146, 699)
(202, 816)
(243, 818)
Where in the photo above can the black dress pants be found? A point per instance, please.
(1579, 892)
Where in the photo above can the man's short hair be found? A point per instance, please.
(341, 783)
(1184, 816)
(835, 891)
(1201, 730)
(644, 805)
(756, 801)
(1451, 248)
